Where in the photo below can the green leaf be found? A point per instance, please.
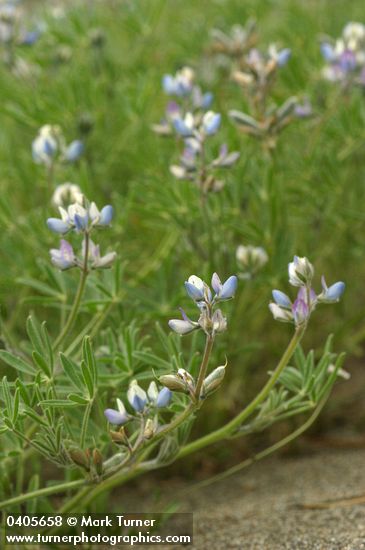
(16, 362)
(35, 336)
(48, 344)
(152, 360)
(78, 398)
(43, 288)
(89, 359)
(7, 397)
(57, 403)
(71, 369)
(42, 363)
(23, 391)
(16, 406)
(87, 378)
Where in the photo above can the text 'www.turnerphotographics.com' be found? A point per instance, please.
(112, 529)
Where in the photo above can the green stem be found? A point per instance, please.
(85, 423)
(62, 487)
(269, 450)
(228, 428)
(50, 177)
(204, 365)
(75, 308)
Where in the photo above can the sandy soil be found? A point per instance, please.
(259, 508)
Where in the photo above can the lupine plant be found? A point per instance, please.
(250, 260)
(194, 124)
(49, 149)
(257, 77)
(14, 32)
(231, 46)
(146, 428)
(345, 57)
(104, 391)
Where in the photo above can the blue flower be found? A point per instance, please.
(211, 122)
(80, 218)
(328, 52)
(74, 151)
(195, 287)
(58, 226)
(137, 397)
(283, 57)
(184, 126)
(30, 38)
(181, 84)
(119, 416)
(224, 291)
(184, 325)
(106, 215)
(332, 293)
(281, 299)
(45, 145)
(163, 398)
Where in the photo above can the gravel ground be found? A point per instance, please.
(259, 508)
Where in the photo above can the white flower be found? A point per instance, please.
(300, 271)
(67, 193)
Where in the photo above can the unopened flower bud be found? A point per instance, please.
(300, 271)
(150, 429)
(80, 458)
(119, 437)
(173, 382)
(213, 381)
(98, 461)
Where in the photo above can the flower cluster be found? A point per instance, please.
(189, 98)
(345, 57)
(64, 257)
(250, 260)
(67, 193)
(83, 218)
(50, 146)
(235, 43)
(13, 31)
(260, 69)
(211, 320)
(144, 405)
(193, 164)
(298, 312)
(256, 78)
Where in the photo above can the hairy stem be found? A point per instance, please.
(204, 365)
(75, 308)
(53, 489)
(231, 426)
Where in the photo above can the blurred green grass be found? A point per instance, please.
(316, 206)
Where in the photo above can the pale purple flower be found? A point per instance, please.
(300, 311)
(64, 257)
